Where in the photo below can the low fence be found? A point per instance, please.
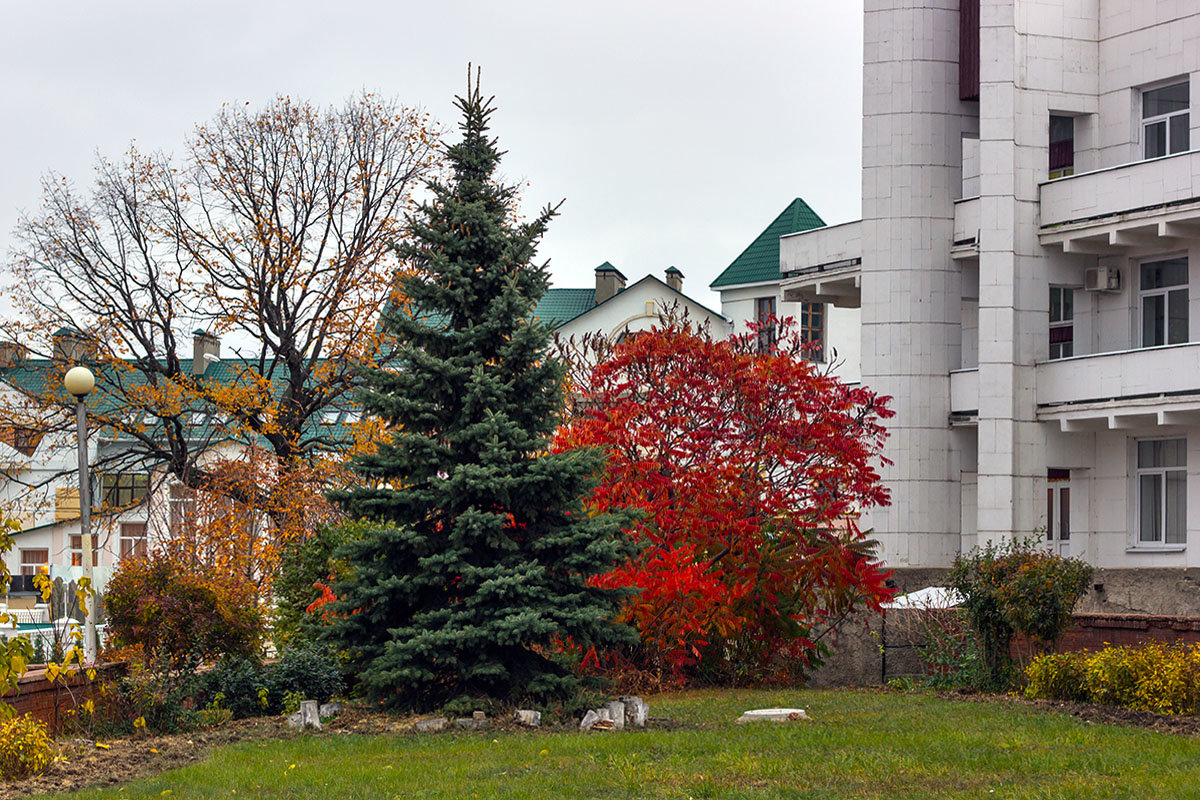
(867, 650)
(50, 702)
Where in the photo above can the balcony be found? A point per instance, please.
(966, 229)
(1149, 387)
(823, 265)
(1152, 204)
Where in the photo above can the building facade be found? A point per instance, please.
(1030, 232)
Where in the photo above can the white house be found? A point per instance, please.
(751, 290)
(1030, 233)
(613, 308)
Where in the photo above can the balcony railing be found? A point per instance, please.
(1140, 188)
(1128, 374)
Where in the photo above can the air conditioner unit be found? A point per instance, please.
(1102, 279)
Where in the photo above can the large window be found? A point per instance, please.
(133, 540)
(1165, 120)
(1062, 146)
(812, 330)
(1062, 322)
(764, 315)
(124, 489)
(1164, 301)
(1162, 491)
(32, 559)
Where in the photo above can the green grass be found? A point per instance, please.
(859, 744)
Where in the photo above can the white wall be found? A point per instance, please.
(637, 309)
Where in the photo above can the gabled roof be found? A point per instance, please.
(760, 261)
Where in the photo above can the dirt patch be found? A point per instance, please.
(1106, 715)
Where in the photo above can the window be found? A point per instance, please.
(124, 489)
(764, 315)
(1062, 325)
(32, 559)
(812, 330)
(1058, 510)
(183, 509)
(77, 550)
(1164, 300)
(1062, 146)
(330, 416)
(133, 540)
(1162, 491)
(1165, 120)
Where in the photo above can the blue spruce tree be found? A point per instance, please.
(480, 552)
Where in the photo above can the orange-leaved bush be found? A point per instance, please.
(749, 466)
(176, 609)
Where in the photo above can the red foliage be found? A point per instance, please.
(175, 608)
(750, 467)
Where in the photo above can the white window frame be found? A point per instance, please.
(1163, 118)
(32, 565)
(1164, 292)
(1064, 322)
(1139, 471)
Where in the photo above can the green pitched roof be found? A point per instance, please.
(560, 306)
(760, 261)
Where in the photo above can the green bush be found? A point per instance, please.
(1017, 587)
(238, 684)
(250, 689)
(25, 747)
(158, 695)
(310, 671)
(1164, 679)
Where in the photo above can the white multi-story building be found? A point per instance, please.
(1030, 233)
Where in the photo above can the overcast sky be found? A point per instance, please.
(675, 130)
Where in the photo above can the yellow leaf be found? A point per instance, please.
(103, 746)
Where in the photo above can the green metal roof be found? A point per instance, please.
(760, 261)
(559, 306)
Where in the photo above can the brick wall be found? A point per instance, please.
(48, 702)
(1096, 631)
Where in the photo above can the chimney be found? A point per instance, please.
(205, 348)
(609, 281)
(675, 279)
(72, 346)
(11, 354)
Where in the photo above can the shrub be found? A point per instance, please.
(25, 747)
(1164, 679)
(176, 610)
(158, 696)
(1017, 587)
(310, 671)
(238, 684)
(214, 717)
(1057, 676)
(946, 645)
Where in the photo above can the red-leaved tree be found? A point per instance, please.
(749, 466)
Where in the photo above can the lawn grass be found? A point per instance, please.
(859, 744)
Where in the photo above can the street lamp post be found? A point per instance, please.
(79, 381)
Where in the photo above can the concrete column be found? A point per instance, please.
(912, 128)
